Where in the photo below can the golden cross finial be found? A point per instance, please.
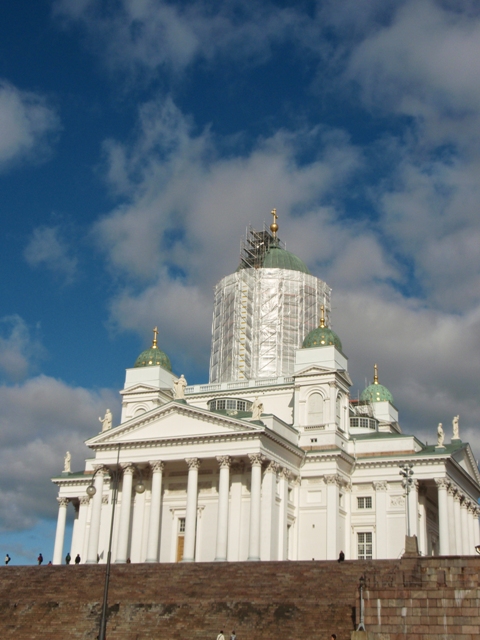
(322, 316)
(155, 334)
(274, 225)
(375, 374)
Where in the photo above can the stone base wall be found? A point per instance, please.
(418, 599)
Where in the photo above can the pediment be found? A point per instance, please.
(141, 388)
(173, 421)
(313, 370)
(466, 460)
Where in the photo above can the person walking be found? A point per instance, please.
(233, 636)
(221, 636)
(68, 558)
(78, 559)
(7, 559)
(40, 559)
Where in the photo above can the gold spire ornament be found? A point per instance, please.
(274, 225)
(322, 317)
(375, 374)
(155, 334)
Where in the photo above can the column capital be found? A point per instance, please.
(380, 485)
(331, 479)
(256, 459)
(101, 469)
(128, 468)
(442, 483)
(272, 467)
(224, 462)
(193, 463)
(83, 500)
(63, 502)
(285, 473)
(156, 465)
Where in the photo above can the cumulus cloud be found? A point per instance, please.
(19, 351)
(27, 123)
(40, 419)
(47, 248)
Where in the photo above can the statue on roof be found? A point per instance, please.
(257, 409)
(106, 420)
(455, 422)
(66, 464)
(440, 435)
(179, 388)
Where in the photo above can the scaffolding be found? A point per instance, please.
(261, 316)
(255, 245)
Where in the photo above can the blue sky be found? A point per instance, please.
(139, 138)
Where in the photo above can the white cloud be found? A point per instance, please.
(40, 420)
(19, 351)
(47, 248)
(26, 125)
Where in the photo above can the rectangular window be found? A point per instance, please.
(241, 405)
(365, 546)
(364, 502)
(231, 404)
(220, 404)
(181, 525)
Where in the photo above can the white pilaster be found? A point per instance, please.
(442, 486)
(471, 536)
(235, 513)
(476, 529)
(60, 532)
(348, 522)
(256, 460)
(124, 522)
(464, 521)
(451, 520)
(191, 511)
(413, 508)
(332, 516)
(282, 516)
(92, 550)
(81, 537)
(269, 486)
(223, 499)
(381, 537)
(422, 523)
(155, 509)
(458, 522)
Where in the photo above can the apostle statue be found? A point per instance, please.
(179, 388)
(106, 420)
(257, 409)
(455, 428)
(440, 435)
(66, 464)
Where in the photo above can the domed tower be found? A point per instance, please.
(263, 311)
(153, 356)
(376, 392)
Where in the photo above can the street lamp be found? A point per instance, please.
(361, 586)
(91, 491)
(406, 471)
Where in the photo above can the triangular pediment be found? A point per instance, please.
(313, 370)
(465, 458)
(142, 388)
(173, 421)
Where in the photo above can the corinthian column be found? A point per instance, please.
(458, 522)
(465, 541)
(124, 524)
(269, 489)
(191, 512)
(223, 497)
(381, 537)
(442, 485)
(60, 533)
(92, 550)
(283, 515)
(155, 506)
(256, 460)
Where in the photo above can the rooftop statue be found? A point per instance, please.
(455, 428)
(179, 388)
(440, 435)
(66, 464)
(106, 420)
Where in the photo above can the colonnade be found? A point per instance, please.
(256, 460)
(457, 519)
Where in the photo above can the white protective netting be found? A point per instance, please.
(260, 317)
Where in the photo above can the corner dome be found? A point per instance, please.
(376, 392)
(322, 336)
(154, 356)
(278, 258)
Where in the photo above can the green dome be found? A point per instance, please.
(277, 258)
(154, 356)
(376, 393)
(322, 337)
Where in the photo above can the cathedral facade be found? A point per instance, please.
(271, 459)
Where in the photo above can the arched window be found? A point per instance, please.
(315, 408)
(339, 411)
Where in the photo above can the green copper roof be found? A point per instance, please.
(153, 357)
(277, 258)
(376, 393)
(322, 337)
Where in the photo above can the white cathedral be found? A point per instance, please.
(272, 459)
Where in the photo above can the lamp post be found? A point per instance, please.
(406, 471)
(361, 586)
(91, 491)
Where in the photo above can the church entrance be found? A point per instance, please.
(180, 539)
